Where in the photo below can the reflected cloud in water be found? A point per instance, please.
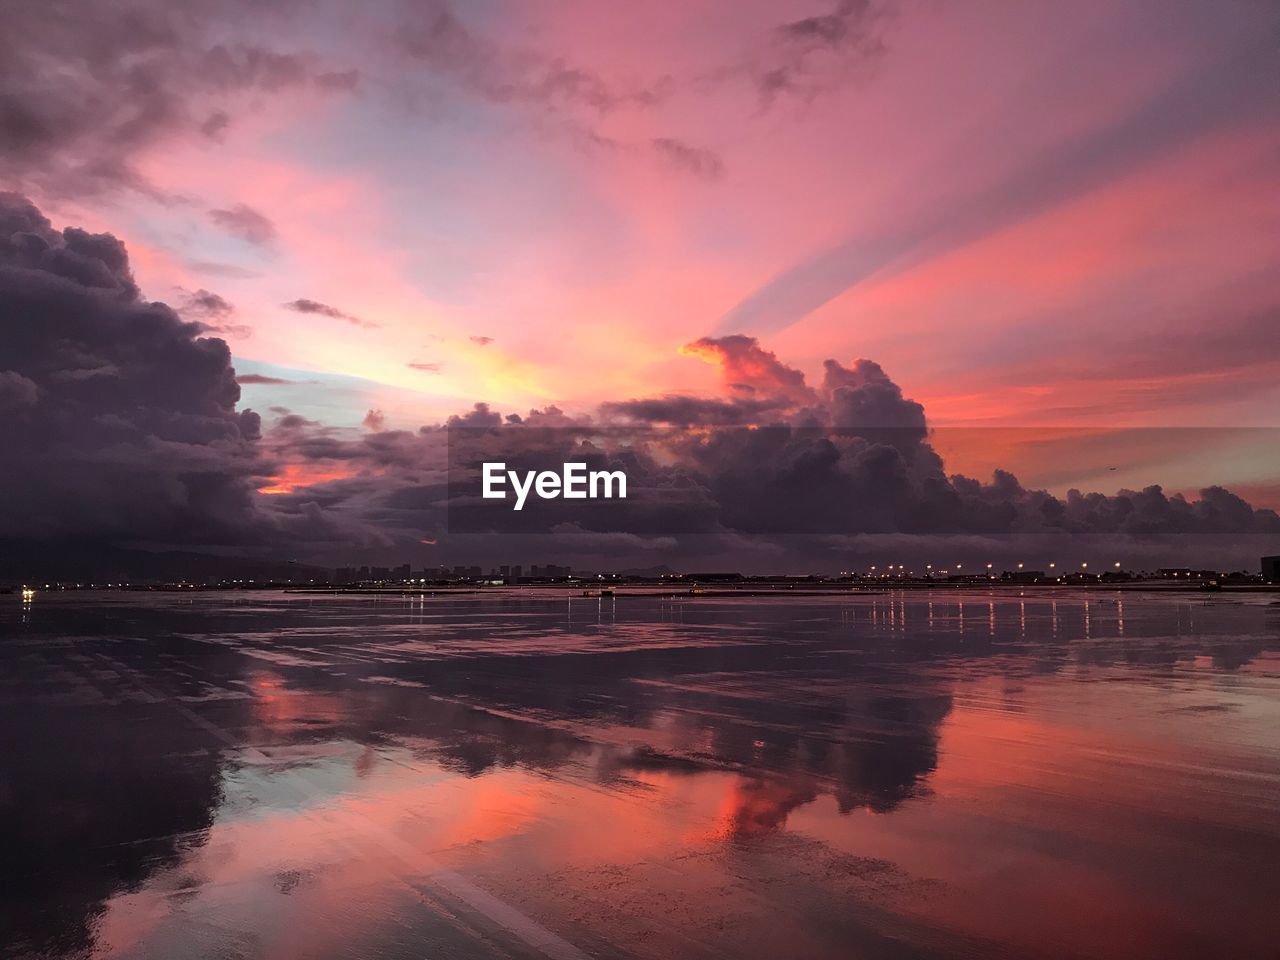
(174, 768)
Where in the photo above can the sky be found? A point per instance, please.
(1038, 216)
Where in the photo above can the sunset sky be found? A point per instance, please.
(1062, 214)
(1034, 215)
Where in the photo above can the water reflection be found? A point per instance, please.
(379, 771)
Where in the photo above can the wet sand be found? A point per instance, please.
(1046, 774)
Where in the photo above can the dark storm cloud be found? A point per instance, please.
(246, 223)
(849, 457)
(389, 483)
(121, 422)
(121, 425)
(127, 423)
(685, 411)
(305, 305)
(774, 468)
(862, 395)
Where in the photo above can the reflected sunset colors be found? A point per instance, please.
(902, 774)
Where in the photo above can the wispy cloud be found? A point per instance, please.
(306, 305)
(246, 223)
(260, 379)
(695, 160)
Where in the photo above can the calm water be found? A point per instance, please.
(903, 775)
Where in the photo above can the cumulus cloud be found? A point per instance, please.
(121, 425)
(772, 467)
(125, 423)
(681, 410)
(744, 363)
(778, 457)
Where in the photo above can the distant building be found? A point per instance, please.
(1081, 577)
(1022, 576)
(549, 572)
(1271, 569)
